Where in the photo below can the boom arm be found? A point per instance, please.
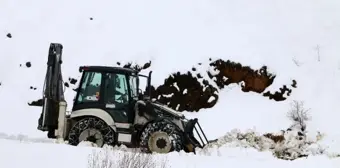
(53, 92)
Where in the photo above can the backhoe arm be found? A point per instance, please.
(53, 92)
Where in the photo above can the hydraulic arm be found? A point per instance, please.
(53, 92)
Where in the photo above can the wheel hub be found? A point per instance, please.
(91, 139)
(159, 142)
(92, 135)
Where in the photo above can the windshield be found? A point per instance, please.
(90, 87)
(133, 86)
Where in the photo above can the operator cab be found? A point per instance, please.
(112, 89)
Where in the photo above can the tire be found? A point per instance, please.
(161, 137)
(91, 129)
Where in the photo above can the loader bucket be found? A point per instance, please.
(191, 141)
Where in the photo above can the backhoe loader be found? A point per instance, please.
(110, 109)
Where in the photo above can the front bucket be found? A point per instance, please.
(191, 141)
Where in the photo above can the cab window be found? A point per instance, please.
(90, 87)
(133, 86)
(116, 89)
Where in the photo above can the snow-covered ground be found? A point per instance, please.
(296, 39)
(23, 154)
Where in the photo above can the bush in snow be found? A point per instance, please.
(292, 147)
(288, 144)
(141, 160)
(298, 115)
(295, 140)
(109, 157)
(283, 145)
(100, 159)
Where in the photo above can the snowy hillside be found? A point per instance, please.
(295, 39)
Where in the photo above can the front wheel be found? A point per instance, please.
(161, 137)
(93, 130)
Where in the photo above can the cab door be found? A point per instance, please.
(117, 99)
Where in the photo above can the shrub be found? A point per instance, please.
(299, 115)
(289, 144)
(295, 144)
(106, 158)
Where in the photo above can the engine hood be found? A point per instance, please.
(168, 110)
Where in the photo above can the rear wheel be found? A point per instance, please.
(93, 130)
(161, 137)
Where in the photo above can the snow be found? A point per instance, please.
(51, 155)
(296, 39)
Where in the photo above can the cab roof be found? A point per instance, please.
(107, 69)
